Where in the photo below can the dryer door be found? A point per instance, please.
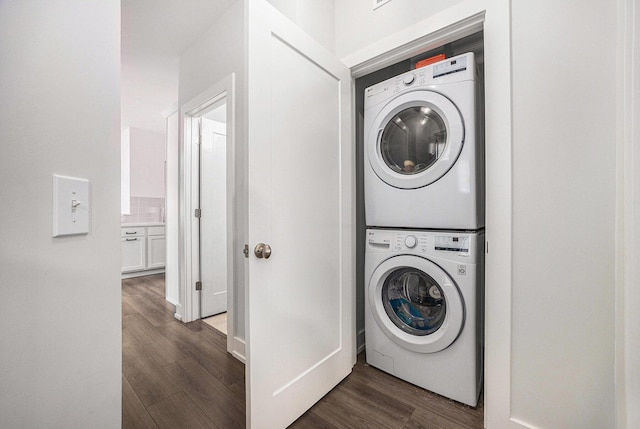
(416, 304)
(415, 139)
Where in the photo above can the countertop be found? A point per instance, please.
(126, 225)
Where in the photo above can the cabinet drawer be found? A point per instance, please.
(133, 232)
(155, 230)
(133, 251)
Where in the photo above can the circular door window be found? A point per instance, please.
(416, 303)
(415, 139)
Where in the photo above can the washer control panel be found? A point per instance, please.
(410, 241)
(449, 244)
(452, 243)
(466, 247)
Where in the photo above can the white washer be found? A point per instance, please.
(423, 309)
(424, 156)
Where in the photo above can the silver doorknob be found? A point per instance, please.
(262, 251)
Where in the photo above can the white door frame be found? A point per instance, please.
(628, 221)
(189, 201)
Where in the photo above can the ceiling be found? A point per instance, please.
(154, 34)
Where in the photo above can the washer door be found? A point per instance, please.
(415, 139)
(416, 304)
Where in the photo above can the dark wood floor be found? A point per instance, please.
(177, 375)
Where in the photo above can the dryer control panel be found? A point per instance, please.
(457, 69)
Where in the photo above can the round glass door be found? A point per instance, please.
(413, 140)
(414, 301)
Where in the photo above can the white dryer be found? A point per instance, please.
(423, 309)
(424, 156)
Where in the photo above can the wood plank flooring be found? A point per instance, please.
(178, 375)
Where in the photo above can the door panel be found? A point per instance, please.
(213, 223)
(301, 323)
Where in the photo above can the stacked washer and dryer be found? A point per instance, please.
(424, 210)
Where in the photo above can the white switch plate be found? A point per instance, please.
(70, 206)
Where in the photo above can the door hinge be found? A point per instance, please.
(245, 251)
(198, 213)
(198, 285)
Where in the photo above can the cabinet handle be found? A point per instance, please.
(131, 233)
(132, 239)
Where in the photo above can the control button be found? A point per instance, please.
(410, 241)
(408, 79)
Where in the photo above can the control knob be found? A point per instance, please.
(408, 79)
(410, 241)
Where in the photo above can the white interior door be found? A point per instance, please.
(300, 301)
(213, 221)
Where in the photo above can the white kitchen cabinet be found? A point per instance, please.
(143, 250)
(133, 253)
(156, 247)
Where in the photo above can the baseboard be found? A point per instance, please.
(178, 313)
(239, 349)
(142, 273)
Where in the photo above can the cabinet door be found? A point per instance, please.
(133, 253)
(156, 251)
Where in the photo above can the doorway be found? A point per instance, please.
(208, 221)
(213, 211)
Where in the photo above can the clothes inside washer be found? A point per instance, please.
(413, 301)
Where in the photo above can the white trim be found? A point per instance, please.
(622, 126)
(452, 24)
(239, 349)
(628, 222)
(171, 301)
(142, 273)
(178, 313)
(189, 227)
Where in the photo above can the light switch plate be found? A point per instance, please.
(70, 206)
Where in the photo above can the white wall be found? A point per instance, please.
(172, 228)
(358, 25)
(60, 314)
(564, 188)
(215, 56)
(147, 152)
(125, 172)
(315, 17)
